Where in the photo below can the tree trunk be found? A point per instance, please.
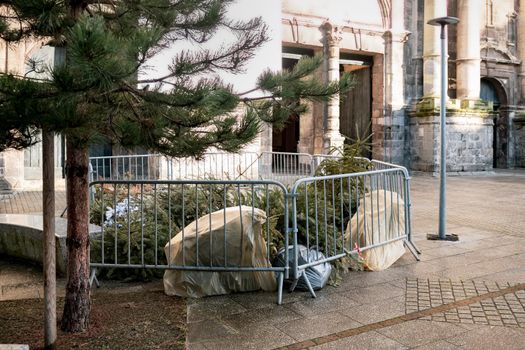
(77, 303)
(48, 185)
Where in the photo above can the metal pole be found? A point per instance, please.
(443, 124)
(443, 22)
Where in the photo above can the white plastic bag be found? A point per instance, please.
(380, 217)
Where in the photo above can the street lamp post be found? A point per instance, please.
(443, 22)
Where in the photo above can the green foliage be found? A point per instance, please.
(101, 92)
(158, 215)
(123, 236)
(323, 206)
(292, 89)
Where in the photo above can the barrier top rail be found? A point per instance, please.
(344, 176)
(286, 167)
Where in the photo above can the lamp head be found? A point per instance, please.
(443, 21)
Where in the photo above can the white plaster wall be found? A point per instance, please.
(268, 56)
(355, 11)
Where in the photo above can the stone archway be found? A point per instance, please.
(385, 7)
(492, 90)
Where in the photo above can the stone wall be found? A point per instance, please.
(519, 139)
(424, 147)
(469, 143)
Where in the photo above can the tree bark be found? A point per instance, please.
(48, 186)
(77, 302)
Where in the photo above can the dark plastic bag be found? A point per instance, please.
(318, 275)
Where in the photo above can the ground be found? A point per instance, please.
(123, 314)
(461, 295)
(120, 319)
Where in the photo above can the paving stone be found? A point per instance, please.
(311, 327)
(366, 341)
(309, 306)
(480, 320)
(30, 202)
(487, 337)
(417, 333)
(438, 345)
(374, 294)
(495, 322)
(246, 321)
(259, 338)
(207, 330)
(377, 311)
(212, 307)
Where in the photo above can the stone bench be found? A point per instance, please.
(21, 236)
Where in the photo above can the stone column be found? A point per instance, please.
(468, 50)
(332, 135)
(431, 48)
(521, 48)
(389, 131)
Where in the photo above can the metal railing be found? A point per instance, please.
(231, 166)
(212, 165)
(140, 217)
(127, 167)
(325, 208)
(284, 167)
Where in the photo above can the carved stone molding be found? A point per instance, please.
(401, 37)
(333, 33)
(493, 53)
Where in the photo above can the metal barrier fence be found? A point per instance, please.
(213, 165)
(285, 167)
(231, 166)
(344, 214)
(279, 166)
(127, 167)
(140, 217)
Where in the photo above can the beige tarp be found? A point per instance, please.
(245, 247)
(383, 213)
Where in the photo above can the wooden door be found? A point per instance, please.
(356, 107)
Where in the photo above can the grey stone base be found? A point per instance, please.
(520, 145)
(469, 143)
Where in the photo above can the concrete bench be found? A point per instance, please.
(21, 236)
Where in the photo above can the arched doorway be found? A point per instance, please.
(492, 90)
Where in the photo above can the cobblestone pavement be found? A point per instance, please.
(30, 202)
(504, 310)
(481, 276)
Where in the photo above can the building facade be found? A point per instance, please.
(394, 57)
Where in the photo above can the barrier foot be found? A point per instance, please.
(293, 285)
(412, 250)
(93, 278)
(309, 285)
(415, 247)
(280, 287)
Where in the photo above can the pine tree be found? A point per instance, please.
(96, 93)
